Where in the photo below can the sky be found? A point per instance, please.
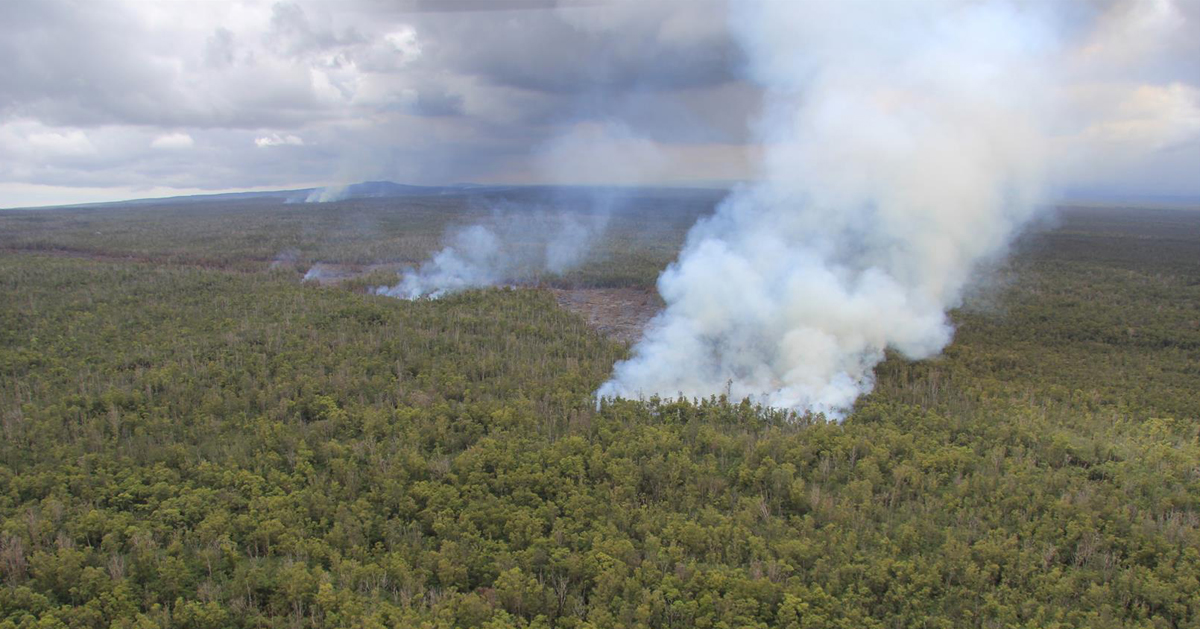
(107, 100)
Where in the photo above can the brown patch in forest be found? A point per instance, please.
(619, 313)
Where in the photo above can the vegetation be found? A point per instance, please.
(198, 444)
(644, 230)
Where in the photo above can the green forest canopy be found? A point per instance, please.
(192, 439)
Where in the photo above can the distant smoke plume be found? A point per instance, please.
(322, 273)
(518, 246)
(327, 194)
(902, 149)
(286, 258)
(523, 243)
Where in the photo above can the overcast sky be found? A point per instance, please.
(110, 100)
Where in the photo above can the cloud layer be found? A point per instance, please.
(309, 93)
(131, 96)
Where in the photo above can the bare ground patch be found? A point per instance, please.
(619, 313)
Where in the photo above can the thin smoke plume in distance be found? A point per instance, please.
(516, 246)
(903, 148)
(523, 243)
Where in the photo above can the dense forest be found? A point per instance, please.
(194, 437)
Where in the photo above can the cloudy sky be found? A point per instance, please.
(107, 100)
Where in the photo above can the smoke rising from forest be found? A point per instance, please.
(513, 247)
(523, 242)
(902, 148)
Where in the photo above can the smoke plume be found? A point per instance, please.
(902, 149)
(523, 242)
(516, 246)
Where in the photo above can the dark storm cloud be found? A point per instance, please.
(435, 102)
(593, 47)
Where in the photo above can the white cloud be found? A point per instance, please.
(71, 142)
(1153, 117)
(405, 42)
(1132, 34)
(278, 140)
(1130, 103)
(173, 141)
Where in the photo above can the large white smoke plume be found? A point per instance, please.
(902, 149)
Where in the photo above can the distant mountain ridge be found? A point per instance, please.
(327, 194)
(391, 189)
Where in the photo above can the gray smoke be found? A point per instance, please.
(322, 273)
(327, 194)
(523, 243)
(514, 247)
(902, 148)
